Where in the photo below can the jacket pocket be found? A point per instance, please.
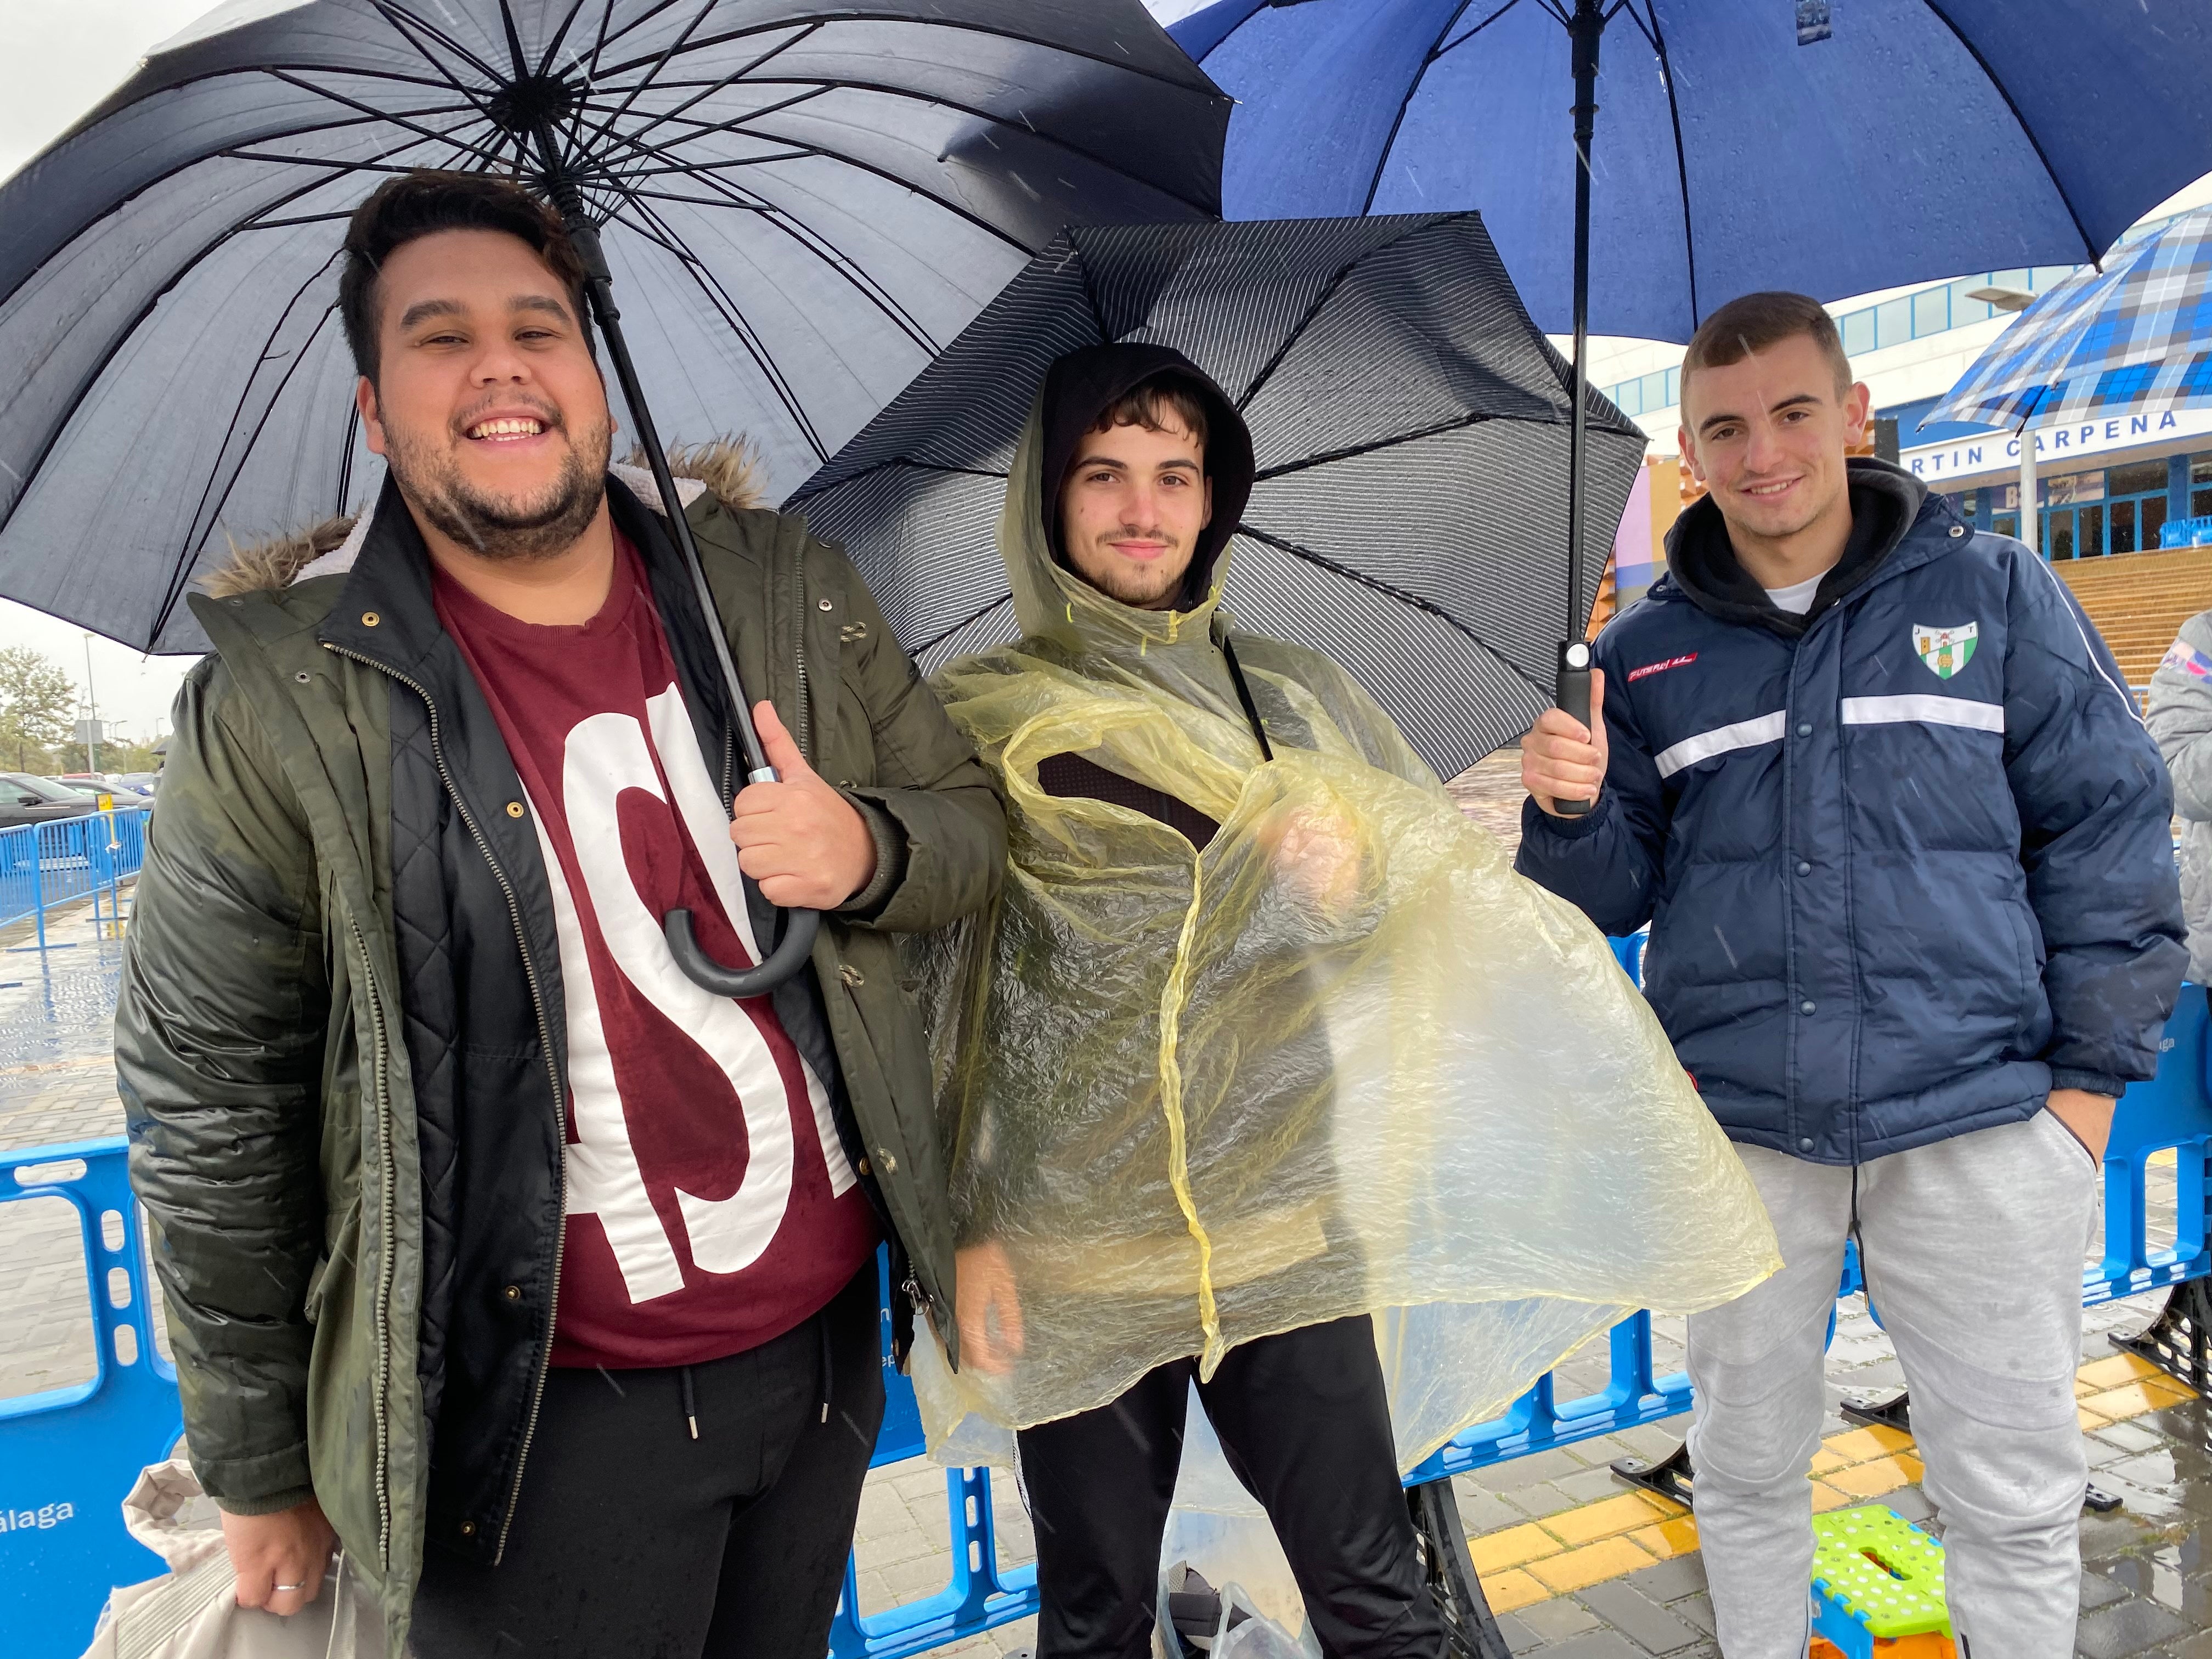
(344, 1239)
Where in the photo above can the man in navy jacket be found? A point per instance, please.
(1883, 797)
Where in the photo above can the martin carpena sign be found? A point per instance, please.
(1996, 454)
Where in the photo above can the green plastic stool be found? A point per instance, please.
(1877, 1577)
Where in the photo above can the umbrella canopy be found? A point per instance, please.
(800, 203)
(2135, 335)
(1740, 144)
(1409, 425)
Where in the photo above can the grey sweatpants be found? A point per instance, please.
(1973, 1251)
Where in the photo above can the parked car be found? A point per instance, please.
(93, 786)
(28, 799)
(143, 782)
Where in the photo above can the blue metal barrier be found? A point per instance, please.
(68, 1457)
(43, 866)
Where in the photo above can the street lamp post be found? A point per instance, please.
(92, 713)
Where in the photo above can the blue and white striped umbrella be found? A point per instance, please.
(2135, 335)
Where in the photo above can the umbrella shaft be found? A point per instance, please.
(1585, 30)
(599, 283)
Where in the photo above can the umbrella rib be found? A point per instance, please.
(736, 74)
(345, 454)
(2026, 132)
(1443, 46)
(968, 621)
(634, 24)
(1413, 91)
(908, 94)
(180, 572)
(957, 209)
(733, 316)
(857, 15)
(1353, 452)
(1337, 279)
(590, 71)
(826, 251)
(122, 337)
(807, 491)
(605, 128)
(1359, 577)
(1657, 37)
(385, 116)
(553, 46)
(393, 11)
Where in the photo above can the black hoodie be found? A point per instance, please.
(1080, 387)
(1077, 389)
(1885, 502)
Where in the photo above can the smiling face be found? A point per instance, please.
(487, 403)
(1766, 436)
(1132, 508)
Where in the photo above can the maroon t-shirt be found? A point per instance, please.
(709, 1205)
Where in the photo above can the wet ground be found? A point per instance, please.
(1578, 1568)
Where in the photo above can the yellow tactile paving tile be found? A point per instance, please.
(1512, 1590)
(1574, 1570)
(1608, 1516)
(1877, 1476)
(2119, 1368)
(2135, 1399)
(1511, 1547)
(1662, 1544)
(1535, 1560)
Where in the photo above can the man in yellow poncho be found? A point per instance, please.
(1262, 1039)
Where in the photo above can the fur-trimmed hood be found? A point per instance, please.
(727, 468)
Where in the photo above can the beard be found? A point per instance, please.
(538, 525)
(1155, 586)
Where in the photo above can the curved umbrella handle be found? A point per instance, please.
(790, 955)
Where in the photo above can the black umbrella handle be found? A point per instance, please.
(701, 969)
(1574, 696)
(792, 953)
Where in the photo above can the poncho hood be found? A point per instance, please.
(1051, 601)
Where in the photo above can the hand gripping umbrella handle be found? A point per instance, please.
(1574, 696)
(790, 955)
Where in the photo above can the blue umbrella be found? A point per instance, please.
(1748, 143)
(2135, 335)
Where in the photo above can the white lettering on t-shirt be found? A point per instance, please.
(605, 755)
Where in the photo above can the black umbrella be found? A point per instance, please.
(801, 201)
(1407, 420)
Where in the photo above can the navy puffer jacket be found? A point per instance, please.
(1906, 859)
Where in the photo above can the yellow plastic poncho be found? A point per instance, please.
(1342, 1061)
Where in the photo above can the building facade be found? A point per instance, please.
(2103, 487)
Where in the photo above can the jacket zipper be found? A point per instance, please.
(799, 649)
(389, 1215)
(552, 1072)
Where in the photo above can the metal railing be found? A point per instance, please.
(44, 866)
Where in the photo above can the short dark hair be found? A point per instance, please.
(1153, 403)
(423, 203)
(1760, 320)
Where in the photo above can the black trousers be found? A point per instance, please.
(1305, 1423)
(633, 1540)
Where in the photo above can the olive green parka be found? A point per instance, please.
(259, 1035)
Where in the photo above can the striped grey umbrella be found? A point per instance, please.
(1409, 424)
(799, 202)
